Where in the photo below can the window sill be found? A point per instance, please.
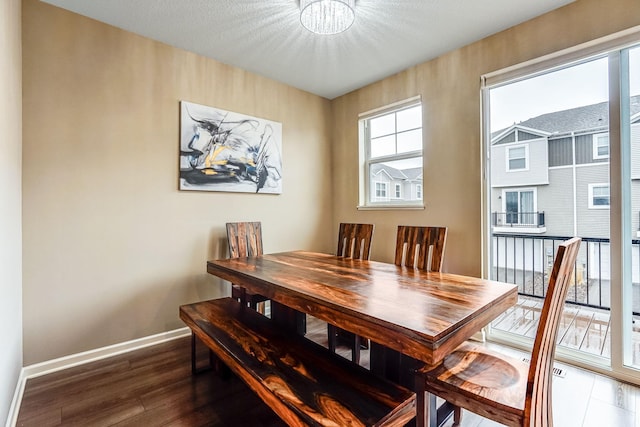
(387, 207)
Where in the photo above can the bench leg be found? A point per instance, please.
(194, 368)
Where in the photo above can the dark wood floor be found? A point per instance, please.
(154, 387)
(148, 387)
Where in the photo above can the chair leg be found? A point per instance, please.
(457, 416)
(331, 336)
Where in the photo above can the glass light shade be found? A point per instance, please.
(327, 16)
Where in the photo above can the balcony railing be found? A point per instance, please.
(526, 260)
(517, 219)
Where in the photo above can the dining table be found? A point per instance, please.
(412, 317)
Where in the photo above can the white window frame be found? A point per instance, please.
(418, 191)
(384, 188)
(612, 46)
(519, 190)
(366, 199)
(596, 144)
(508, 157)
(599, 185)
(398, 191)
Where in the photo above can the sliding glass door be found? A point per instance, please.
(562, 159)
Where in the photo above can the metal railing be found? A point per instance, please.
(526, 260)
(517, 219)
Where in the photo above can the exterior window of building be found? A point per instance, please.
(519, 207)
(381, 190)
(599, 196)
(601, 146)
(391, 153)
(518, 158)
(419, 192)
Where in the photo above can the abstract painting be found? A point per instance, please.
(226, 151)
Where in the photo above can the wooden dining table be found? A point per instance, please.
(408, 314)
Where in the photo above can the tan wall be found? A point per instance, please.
(10, 202)
(111, 247)
(450, 90)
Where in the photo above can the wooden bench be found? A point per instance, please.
(303, 382)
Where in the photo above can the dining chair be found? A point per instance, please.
(354, 241)
(245, 240)
(504, 389)
(420, 247)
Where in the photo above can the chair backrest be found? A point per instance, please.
(245, 239)
(354, 240)
(420, 247)
(538, 399)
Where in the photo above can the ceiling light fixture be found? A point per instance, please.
(327, 16)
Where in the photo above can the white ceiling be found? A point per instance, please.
(266, 37)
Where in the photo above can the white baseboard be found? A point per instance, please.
(50, 366)
(14, 408)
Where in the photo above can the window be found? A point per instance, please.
(518, 158)
(381, 190)
(601, 146)
(391, 155)
(519, 207)
(419, 191)
(599, 196)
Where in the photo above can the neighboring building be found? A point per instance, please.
(389, 184)
(550, 177)
(550, 174)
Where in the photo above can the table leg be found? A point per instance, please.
(290, 319)
(401, 369)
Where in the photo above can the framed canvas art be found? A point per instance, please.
(225, 151)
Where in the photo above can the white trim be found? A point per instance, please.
(519, 230)
(526, 157)
(561, 59)
(541, 134)
(389, 206)
(367, 183)
(72, 360)
(375, 190)
(397, 191)
(50, 366)
(393, 106)
(596, 138)
(591, 186)
(582, 165)
(14, 407)
(519, 190)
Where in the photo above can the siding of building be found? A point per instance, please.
(537, 174)
(592, 222)
(635, 208)
(526, 136)
(560, 152)
(584, 150)
(635, 151)
(556, 200)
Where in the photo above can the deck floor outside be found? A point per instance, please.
(584, 329)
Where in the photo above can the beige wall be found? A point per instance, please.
(10, 202)
(111, 247)
(450, 90)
